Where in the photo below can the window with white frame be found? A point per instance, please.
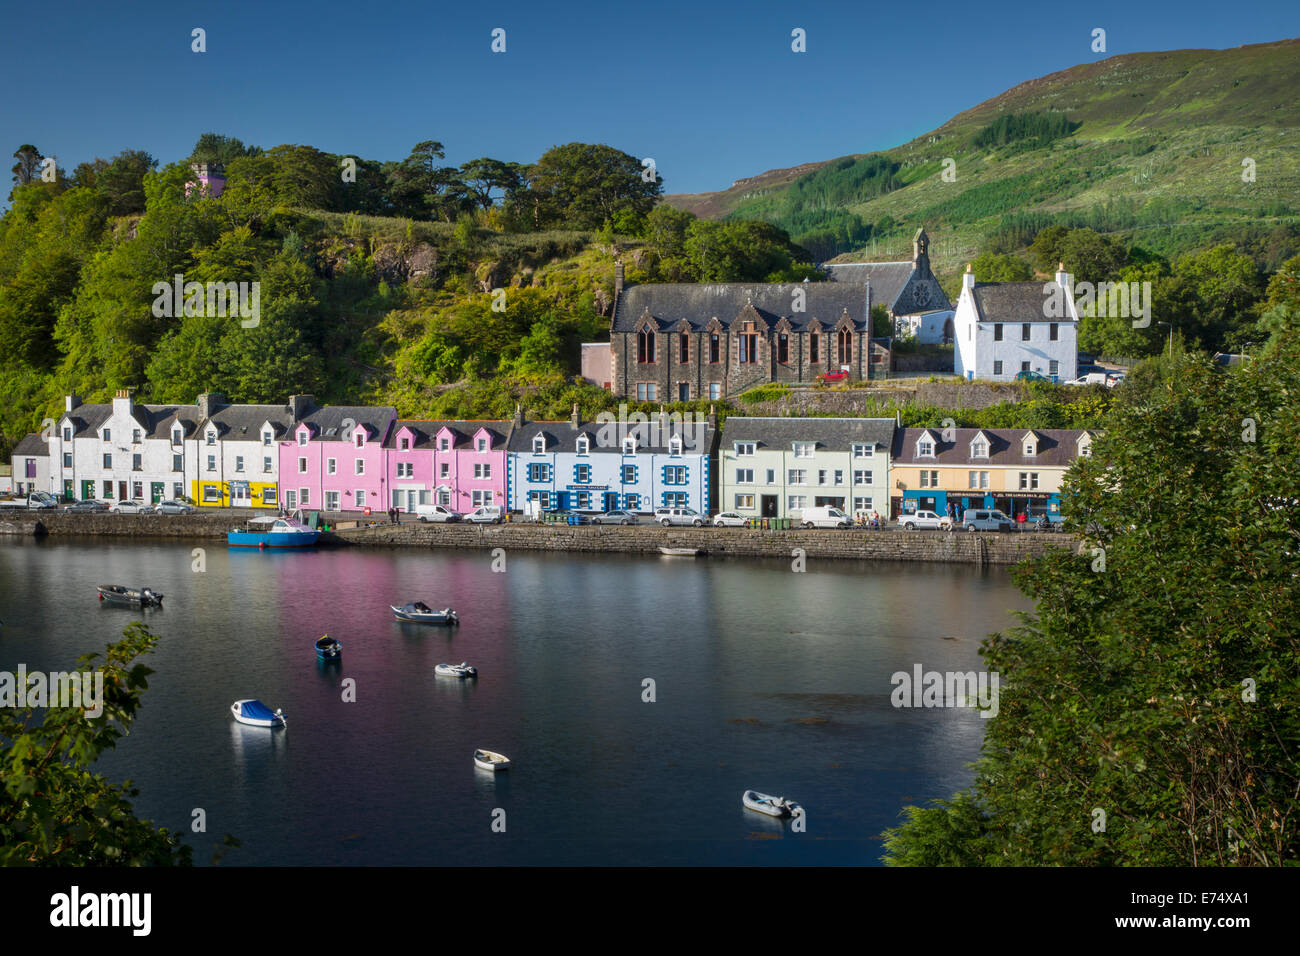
(821, 476)
(796, 502)
(797, 476)
(979, 448)
(403, 444)
(266, 465)
(583, 444)
(744, 476)
(997, 367)
(266, 438)
(1028, 480)
(360, 497)
(539, 472)
(302, 438)
(331, 501)
(444, 443)
(212, 463)
(1030, 448)
(744, 501)
(539, 444)
(862, 476)
(864, 451)
(771, 476)
(302, 466)
(177, 437)
(715, 391)
(977, 479)
(211, 492)
(675, 446)
(929, 479)
(676, 475)
(108, 434)
(481, 498)
(862, 503)
(290, 498)
(483, 471)
(481, 444)
(304, 497)
(629, 445)
(925, 447)
(331, 465)
(647, 391)
(839, 477)
(212, 438)
(444, 469)
(746, 449)
(108, 461)
(805, 449)
(405, 469)
(178, 489)
(360, 466)
(239, 463)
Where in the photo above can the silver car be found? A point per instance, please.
(175, 507)
(136, 506)
(671, 516)
(729, 519)
(615, 517)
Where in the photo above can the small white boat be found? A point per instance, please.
(772, 806)
(417, 612)
(456, 670)
(681, 552)
(257, 714)
(488, 760)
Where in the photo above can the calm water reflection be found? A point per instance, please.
(764, 679)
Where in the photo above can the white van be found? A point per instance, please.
(435, 513)
(488, 514)
(824, 516)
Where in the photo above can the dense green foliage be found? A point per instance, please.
(54, 811)
(1158, 681)
(1030, 130)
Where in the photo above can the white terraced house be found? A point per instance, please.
(1005, 328)
(237, 452)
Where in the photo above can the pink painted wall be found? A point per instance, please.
(367, 448)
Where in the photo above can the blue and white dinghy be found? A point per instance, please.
(456, 670)
(257, 714)
(772, 806)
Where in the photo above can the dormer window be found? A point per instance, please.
(212, 438)
(746, 449)
(108, 435)
(403, 444)
(584, 445)
(925, 447)
(135, 436)
(1085, 446)
(979, 448)
(675, 446)
(804, 449)
(359, 438)
(629, 445)
(539, 444)
(444, 444)
(864, 451)
(267, 437)
(1031, 448)
(481, 444)
(302, 437)
(176, 436)
(67, 434)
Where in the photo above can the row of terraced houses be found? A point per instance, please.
(354, 458)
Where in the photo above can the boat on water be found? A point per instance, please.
(772, 806)
(417, 612)
(490, 760)
(328, 648)
(129, 597)
(268, 531)
(681, 552)
(257, 714)
(456, 670)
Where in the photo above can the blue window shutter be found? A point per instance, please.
(663, 475)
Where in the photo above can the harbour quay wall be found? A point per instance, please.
(200, 525)
(958, 547)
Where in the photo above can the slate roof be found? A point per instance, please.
(86, 419)
(426, 430)
(889, 281)
(698, 303)
(830, 434)
(563, 437)
(32, 445)
(1012, 302)
(1057, 447)
(326, 423)
(244, 422)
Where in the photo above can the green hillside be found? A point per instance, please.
(1156, 156)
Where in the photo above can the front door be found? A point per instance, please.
(411, 496)
(87, 490)
(155, 491)
(67, 488)
(121, 491)
(611, 500)
(683, 392)
(769, 506)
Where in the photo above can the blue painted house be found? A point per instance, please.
(600, 466)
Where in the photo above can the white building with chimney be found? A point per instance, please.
(1005, 328)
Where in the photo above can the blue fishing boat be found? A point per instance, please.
(328, 649)
(257, 714)
(271, 532)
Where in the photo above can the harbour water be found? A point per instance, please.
(763, 678)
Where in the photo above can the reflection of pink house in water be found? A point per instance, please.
(334, 460)
(211, 179)
(458, 464)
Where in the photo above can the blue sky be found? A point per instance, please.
(711, 91)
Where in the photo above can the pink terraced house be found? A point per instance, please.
(460, 465)
(335, 460)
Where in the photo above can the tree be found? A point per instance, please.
(1157, 681)
(216, 148)
(995, 267)
(53, 810)
(482, 176)
(421, 188)
(583, 185)
(28, 166)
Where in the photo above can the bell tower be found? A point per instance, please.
(921, 252)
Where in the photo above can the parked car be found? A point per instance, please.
(439, 513)
(135, 506)
(615, 517)
(1030, 376)
(729, 519)
(35, 501)
(824, 516)
(834, 375)
(670, 516)
(925, 521)
(89, 505)
(488, 514)
(175, 507)
(984, 519)
(1090, 378)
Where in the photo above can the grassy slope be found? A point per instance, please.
(1162, 134)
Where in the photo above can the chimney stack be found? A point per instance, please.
(573, 418)
(71, 401)
(968, 280)
(519, 416)
(618, 277)
(209, 403)
(300, 406)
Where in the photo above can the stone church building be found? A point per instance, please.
(686, 341)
